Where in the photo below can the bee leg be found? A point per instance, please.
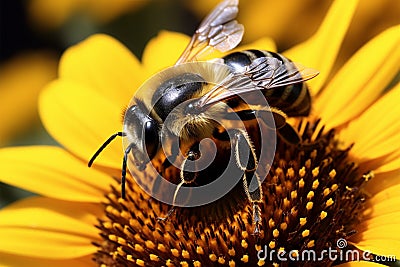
(186, 177)
(124, 166)
(246, 160)
(289, 134)
(284, 130)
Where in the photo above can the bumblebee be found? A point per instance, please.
(187, 102)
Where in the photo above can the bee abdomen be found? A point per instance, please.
(294, 99)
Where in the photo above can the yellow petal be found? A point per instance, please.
(321, 49)
(163, 50)
(383, 180)
(48, 228)
(360, 82)
(18, 96)
(378, 221)
(382, 207)
(377, 131)
(105, 65)
(385, 247)
(53, 172)
(81, 120)
(10, 260)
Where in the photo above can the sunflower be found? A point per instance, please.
(344, 189)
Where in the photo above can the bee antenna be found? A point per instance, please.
(106, 143)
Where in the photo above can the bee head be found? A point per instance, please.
(142, 133)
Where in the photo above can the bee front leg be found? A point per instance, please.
(246, 160)
(188, 174)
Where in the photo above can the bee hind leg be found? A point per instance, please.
(246, 160)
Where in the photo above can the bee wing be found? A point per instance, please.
(219, 30)
(262, 74)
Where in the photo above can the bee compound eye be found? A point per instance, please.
(151, 138)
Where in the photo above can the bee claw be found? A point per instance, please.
(163, 219)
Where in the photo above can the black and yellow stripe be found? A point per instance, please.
(294, 99)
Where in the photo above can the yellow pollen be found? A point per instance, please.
(125, 215)
(121, 251)
(257, 247)
(175, 252)
(271, 223)
(323, 215)
(311, 244)
(305, 233)
(113, 238)
(245, 234)
(272, 244)
(309, 205)
(245, 258)
(129, 258)
(278, 171)
(232, 263)
(261, 263)
(184, 264)
(138, 238)
(283, 226)
(185, 254)
(275, 264)
(197, 264)
(349, 188)
(315, 184)
(329, 202)
(303, 221)
(232, 252)
(135, 223)
(334, 187)
(302, 172)
(275, 233)
(315, 172)
(310, 195)
(121, 241)
(169, 263)
(199, 250)
(286, 202)
(161, 248)
(244, 243)
(290, 173)
(107, 225)
(332, 174)
(154, 257)
(221, 260)
(326, 192)
(301, 183)
(293, 194)
(295, 253)
(149, 244)
(278, 189)
(138, 248)
(139, 262)
(212, 257)
(308, 163)
(313, 154)
(368, 176)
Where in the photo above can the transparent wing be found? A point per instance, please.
(262, 74)
(219, 30)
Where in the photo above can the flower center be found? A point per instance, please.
(313, 199)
